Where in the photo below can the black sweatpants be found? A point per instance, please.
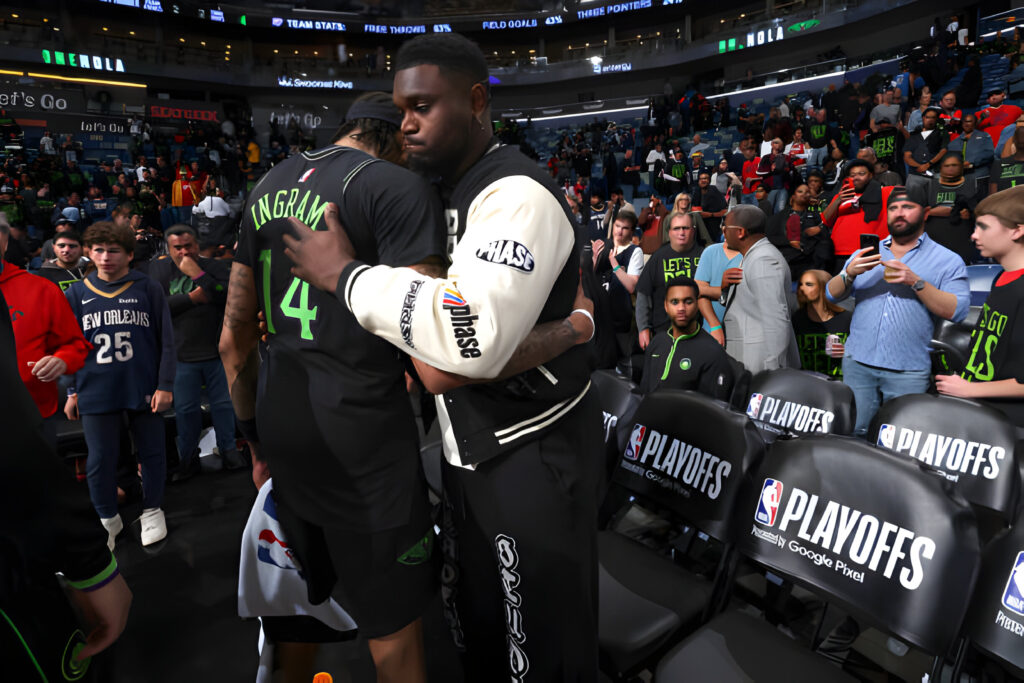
(519, 582)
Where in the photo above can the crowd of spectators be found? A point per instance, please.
(809, 189)
(723, 267)
(167, 222)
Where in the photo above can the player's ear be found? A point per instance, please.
(1017, 233)
(480, 99)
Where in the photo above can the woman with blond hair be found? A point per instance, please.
(821, 326)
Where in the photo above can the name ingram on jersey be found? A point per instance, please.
(858, 540)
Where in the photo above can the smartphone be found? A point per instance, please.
(848, 183)
(869, 241)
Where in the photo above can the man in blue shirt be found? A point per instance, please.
(897, 305)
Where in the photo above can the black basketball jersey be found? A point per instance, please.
(332, 408)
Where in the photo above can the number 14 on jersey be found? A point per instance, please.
(289, 308)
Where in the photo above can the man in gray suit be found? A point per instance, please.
(758, 332)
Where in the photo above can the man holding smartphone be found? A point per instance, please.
(886, 354)
(858, 208)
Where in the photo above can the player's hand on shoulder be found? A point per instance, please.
(319, 256)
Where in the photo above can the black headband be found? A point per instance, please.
(375, 110)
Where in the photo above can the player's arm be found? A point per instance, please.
(472, 322)
(545, 342)
(238, 338)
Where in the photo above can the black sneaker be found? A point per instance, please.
(233, 460)
(186, 470)
(211, 463)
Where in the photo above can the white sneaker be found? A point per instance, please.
(154, 526)
(113, 525)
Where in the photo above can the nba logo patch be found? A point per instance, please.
(635, 439)
(886, 436)
(768, 504)
(1013, 596)
(755, 405)
(305, 176)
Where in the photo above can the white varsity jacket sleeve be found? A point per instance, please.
(515, 244)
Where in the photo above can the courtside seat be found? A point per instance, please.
(619, 401)
(799, 402)
(970, 444)
(880, 537)
(950, 346)
(689, 455)
(736, 646)
(636, 615)
(997, 610)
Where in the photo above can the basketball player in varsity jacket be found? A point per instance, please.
(520, 552)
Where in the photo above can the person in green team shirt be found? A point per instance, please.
(995, 366)
(814, 321)
(1009, 171)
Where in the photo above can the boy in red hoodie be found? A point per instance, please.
(49, 341)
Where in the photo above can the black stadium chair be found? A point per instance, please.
(970, 444)
(799, 403)
(619, 401)
(995, 624)
(690, 455)
(878, 536)
(950, 347)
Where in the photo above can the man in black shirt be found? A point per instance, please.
(923, 151)
(68, 264)
(685, 356)
(677, 257)
(711, 204)
(1009, 171)
(196, 289)
(886, 141)
(995, 368)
